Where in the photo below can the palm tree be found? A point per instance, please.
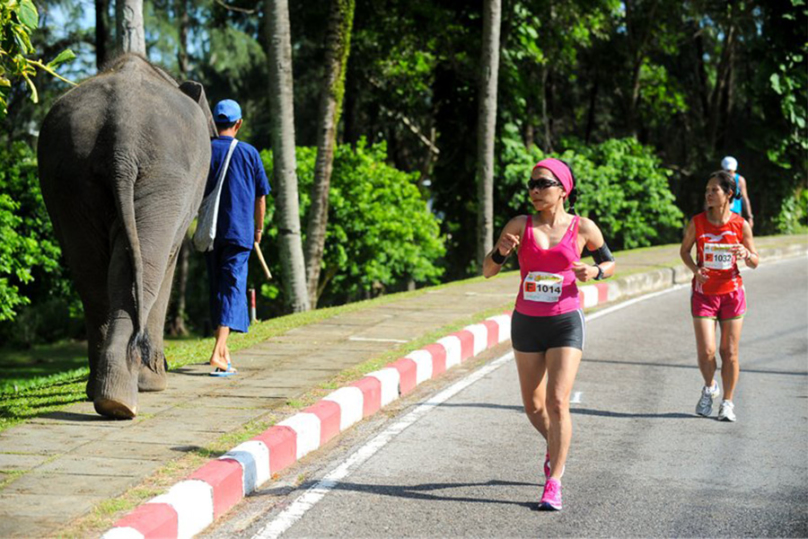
(279, 52)
(486, 128)
(338, 44)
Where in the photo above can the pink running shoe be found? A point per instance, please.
(551, 498)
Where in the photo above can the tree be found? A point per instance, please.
(131, 35)
(101, 32)
(486, 128)
(18, 18)
(338, 44)
(283, 145)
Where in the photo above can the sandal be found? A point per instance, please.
(230, 371)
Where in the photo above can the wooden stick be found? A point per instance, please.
(262, 261)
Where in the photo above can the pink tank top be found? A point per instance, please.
(548, 283)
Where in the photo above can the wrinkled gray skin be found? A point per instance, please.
(123, 160)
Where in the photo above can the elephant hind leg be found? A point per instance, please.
(153, 369)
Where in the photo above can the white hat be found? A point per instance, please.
(729, 163)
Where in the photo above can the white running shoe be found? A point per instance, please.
(726, 412)
(705, 405)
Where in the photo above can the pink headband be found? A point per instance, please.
(560, 170)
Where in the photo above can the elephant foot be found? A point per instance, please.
(115, 409)
(152, 380)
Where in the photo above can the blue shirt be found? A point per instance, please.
(245, 181)
(736, 206)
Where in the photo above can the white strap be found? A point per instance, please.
(222, 173)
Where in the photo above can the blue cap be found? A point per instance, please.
(226, 111)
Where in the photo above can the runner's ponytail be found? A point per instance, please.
(573, 196)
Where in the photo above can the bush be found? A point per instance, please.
(793, 216)
(380, 236)
(621, 186)
(30, 266)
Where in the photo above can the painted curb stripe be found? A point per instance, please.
(148, 520)
(591, 296)
(350, 402)
(329, 414)
(281, 442)
(439, 354)
(407, 373)
(389, 380)
(224, 476)
(371, 395)
(193, 502)
(127, 533)
(423, 365)
(253, 456)
(307, 427)
(479, 334)
(453, 354)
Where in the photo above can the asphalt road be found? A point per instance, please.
(642, 463)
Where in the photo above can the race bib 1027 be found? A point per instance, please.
(718, 256)
(543, 287)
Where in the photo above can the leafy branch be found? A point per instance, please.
(18, 18)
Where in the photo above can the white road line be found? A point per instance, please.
(308, 499)
(370, 339)
(576, 397)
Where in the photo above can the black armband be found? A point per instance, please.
(602, 254)
(498, 257)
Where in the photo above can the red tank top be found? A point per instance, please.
(548, 283)
(712, 248)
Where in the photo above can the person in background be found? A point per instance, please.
(240, 225)
(722, 238)
(740, 204)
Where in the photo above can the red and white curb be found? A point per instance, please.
(193, 504)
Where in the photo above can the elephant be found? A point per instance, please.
(123, 161)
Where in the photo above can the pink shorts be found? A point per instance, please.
(720, 306)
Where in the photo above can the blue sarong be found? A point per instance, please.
(227, 271)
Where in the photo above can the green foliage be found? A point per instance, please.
(24, 227)
(380, 232)
(621, 186)
(793, 216)
(18, 18)
(30, 268)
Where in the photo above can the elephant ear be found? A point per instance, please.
(196, 91)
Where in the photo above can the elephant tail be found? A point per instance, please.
(139, 344)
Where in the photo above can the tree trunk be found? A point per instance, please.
(181, 9)
(338, 45)
(131, 36)
(723, 75)
(546, 102)
(293, 267)
(176, 323)
(486, 129)
(101, 32)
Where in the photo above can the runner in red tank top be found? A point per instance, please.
(721, 238)
(547, 330)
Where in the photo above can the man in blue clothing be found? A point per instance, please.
(741, 204)
(240, 224)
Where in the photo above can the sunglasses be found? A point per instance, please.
(541, 184)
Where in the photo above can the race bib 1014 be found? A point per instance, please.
(718, 256)
(543, 287)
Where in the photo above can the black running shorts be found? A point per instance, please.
(540, 333)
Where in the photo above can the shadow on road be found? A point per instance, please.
(420, 492)
(606, 413)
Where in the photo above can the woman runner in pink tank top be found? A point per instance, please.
(547, 330)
